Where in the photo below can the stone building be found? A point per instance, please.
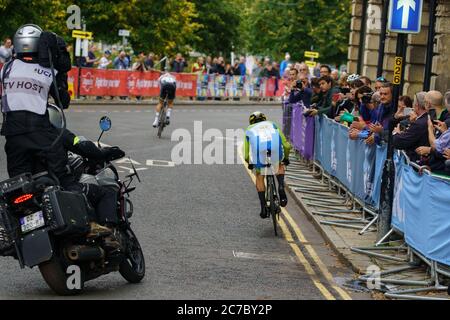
(363, 57)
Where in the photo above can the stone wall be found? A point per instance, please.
(416, 50)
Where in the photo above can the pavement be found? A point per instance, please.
(344, 226)
(199, 224)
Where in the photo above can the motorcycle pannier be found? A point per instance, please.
(66, 211)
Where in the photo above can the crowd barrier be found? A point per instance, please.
(98, 82)
(421, 200)
(421, 211)
(356, 165)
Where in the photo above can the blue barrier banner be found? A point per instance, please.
(421, 211)
(356, 165)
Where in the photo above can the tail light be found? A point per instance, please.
(23, 198)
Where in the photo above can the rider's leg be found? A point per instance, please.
(281, 191)
(158, 109)
(261, 188)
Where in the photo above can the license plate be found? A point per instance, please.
(32, 222)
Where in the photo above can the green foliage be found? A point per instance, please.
(263, 27)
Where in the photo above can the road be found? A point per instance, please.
(198, 224)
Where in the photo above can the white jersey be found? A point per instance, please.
(25, 87)
(167, 78)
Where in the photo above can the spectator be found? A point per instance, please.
(434, 101)
(298, 88)
(269, 71)
(303, 68)
(335, 75)
(178, 64)
(325, 70)
(236, 69)
(416, 134)
(371, 102)
(139, 65)
(404, 109)
(199, 66)
(229, 70)
(379, 83)
(284, 63)
(325, 105)
(317, 93)
(257, 69)
(121, 62)
(150, 61)
(367, 82)
(208, 64)
(213, 68)
(91, 59)
(6, 51)
(104, 61)
(242, 68)
(220, 66)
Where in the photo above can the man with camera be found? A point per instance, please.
(298, 91)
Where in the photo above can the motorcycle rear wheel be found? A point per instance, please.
(54, 274)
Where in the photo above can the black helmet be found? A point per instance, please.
(26, 39)
(256, 117)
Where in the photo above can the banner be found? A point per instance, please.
(356, 165)
(302, 132)
(421, 211)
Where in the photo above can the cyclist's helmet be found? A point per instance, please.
(256, 117)
(353, 77)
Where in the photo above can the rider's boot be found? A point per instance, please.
(281, 192)
(262, 200)
(169, 111)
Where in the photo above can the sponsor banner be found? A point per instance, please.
(420, 211)
(302, 131)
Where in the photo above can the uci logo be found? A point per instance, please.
(45, 73)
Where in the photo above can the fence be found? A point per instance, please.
(97, 82)
(421, 200)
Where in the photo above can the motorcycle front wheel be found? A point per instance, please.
(132, 267)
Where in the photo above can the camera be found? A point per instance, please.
(344, 91)
(298, 85)
(366, 98)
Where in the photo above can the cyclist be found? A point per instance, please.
(263, 137)
(168, 85)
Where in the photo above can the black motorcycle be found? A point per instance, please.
(43, 225)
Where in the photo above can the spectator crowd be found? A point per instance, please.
(421, 123)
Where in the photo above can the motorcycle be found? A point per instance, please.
(43, 225)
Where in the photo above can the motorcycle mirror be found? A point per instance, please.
(105, 125)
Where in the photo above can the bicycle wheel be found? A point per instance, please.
(162, 120)
(272, 207)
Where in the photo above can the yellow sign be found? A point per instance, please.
(311, 64)
(82, 34)
(311, 54)
(398, 66)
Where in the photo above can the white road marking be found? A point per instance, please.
(263, 256)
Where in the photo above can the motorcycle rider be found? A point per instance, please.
(26, 85)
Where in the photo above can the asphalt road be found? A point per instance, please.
(198, 224)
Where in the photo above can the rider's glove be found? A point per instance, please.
(113, 153)
(251, 166)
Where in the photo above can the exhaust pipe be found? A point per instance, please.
(85, 253)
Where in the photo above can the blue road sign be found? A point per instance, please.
(405, 16)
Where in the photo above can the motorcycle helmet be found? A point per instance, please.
(256, 117)
(26, 39)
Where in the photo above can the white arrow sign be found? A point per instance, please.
(407, 5)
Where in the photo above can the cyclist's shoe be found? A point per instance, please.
(155, 123)
(167, 121)
(283, 198)
(264, 214)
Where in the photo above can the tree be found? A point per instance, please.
(218, 22)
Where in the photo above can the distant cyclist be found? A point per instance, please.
(168, 85)
(263, 137)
